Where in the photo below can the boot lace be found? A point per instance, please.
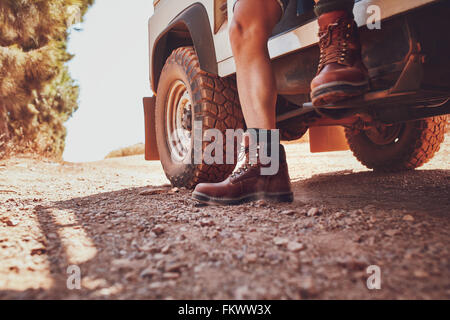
(334, 43)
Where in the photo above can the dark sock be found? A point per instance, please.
(324, 6)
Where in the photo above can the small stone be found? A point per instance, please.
(148, 272)
(130, 276)
(10, 222)
(371, 241)
(207, 223)
(158, 229)
(295, 246)
(241, 293)
(408, 218)
(159, 256)
(280, 241)
(38, 251)
(213, 235)
(174, 190)
(420, 274)
(174, 267)
(157, 285)
(181, 237)
(122, 264)
(165, 249)
(171, 275)
(313, 212)
(392, 232)
(338, 215)
(149, 247)
(261, 203)
(288, 212)
(251, 258)
(307, 287)
(357, 212)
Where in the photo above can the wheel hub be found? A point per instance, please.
(179, 120)
(384, 135)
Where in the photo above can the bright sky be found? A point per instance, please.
(111, 67)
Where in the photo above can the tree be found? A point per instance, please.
(37, 94)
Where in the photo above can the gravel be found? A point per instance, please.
(132, 236)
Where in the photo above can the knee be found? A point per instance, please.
(237, 34)
(247, 34)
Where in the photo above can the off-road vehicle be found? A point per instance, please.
(398, 125)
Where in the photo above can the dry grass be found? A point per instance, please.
(134, 150)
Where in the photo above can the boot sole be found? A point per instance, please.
(333, 92)
(273, 197)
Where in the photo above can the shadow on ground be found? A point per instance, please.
(118, 223)
(423, 191)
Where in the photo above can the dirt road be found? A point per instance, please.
(131, 236)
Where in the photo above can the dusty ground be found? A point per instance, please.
(134, 237)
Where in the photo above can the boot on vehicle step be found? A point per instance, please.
(341, 73)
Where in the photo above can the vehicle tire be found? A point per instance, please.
(400, 147)
(186, 94)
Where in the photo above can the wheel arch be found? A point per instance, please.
(190, 28)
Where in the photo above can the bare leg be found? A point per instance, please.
(252, 25)
(250, 30)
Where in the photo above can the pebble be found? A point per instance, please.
(420, 274)
(261, 203)
(313, 212)
(122, 264)
(206, 223)
(295, 246)
(392, 232)
(38, 251)
(241, 293)
(288, 212)
(171, 275)
(175, 267)
(251, 258)
(409, 218)
(165, 249)
(158, 229)
(280, 241)
(148, 272)
(157, 285)
(174, 190)
(10, 222)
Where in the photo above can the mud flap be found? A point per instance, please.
(151, 148)
(326, 139)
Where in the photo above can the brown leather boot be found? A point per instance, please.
(247, 184)
(341, 73)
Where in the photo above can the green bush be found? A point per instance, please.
(37, 94)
